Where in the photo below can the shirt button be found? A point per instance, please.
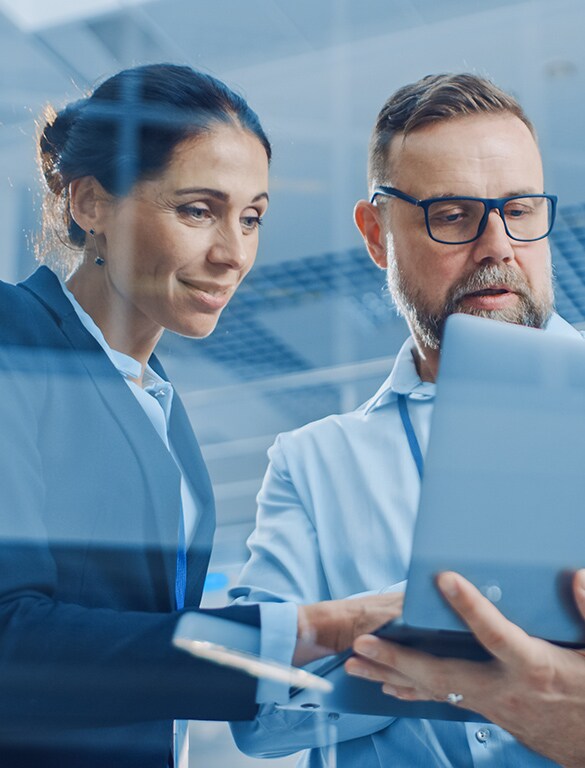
(482, 735)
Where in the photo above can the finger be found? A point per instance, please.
(423, 671)
(504, 640)
(360, 667)
(376, 610)
(408, 693)
(404, 692)
(579, 590)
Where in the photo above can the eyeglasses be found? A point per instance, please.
(459, 220)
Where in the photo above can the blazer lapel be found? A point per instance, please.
(187, 449)
(160, 471)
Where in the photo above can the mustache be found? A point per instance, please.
(486, 277)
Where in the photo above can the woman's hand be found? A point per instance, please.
(331, 626)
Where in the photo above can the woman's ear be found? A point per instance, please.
(87, 199)
(367, 219)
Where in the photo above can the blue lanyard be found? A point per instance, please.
(181, 573)
(410, 435)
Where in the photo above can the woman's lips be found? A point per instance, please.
(212, 296)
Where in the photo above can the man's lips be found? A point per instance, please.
(489, 292)
(492, 297)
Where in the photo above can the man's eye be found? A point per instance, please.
(448, 216)
(517, 213)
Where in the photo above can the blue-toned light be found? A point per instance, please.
(215, 581)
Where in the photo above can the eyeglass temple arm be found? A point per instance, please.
(393, 192)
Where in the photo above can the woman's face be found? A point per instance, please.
(178, 246)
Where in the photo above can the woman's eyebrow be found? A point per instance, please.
(216, 193)
(223, 196)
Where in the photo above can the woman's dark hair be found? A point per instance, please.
(124, 132)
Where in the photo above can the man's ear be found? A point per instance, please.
(88, 203)
(367, 219)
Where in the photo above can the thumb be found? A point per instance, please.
(579, 591)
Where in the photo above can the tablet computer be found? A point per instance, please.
(504, 483)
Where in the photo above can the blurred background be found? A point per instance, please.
(311, 331)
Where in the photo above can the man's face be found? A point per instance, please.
(494, 276)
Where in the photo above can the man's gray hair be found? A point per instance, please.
(432, 99)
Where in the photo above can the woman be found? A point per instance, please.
(157, 184)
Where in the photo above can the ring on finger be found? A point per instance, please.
(454, 698)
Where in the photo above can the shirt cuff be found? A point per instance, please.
(278, 638)
(398, 587)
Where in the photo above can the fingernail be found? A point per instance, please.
(356, 669)
(366, 647)
(389, 690)
(447, 583)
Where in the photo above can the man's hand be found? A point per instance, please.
(533, 689)
(332, 626)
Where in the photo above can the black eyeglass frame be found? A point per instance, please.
(489, 203)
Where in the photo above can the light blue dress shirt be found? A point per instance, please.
(335, 517)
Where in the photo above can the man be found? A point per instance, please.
(458, 218)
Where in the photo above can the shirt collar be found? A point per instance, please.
(128, 366)
(404, 379)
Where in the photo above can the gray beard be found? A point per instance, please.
(428, 327)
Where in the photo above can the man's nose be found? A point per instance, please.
(493, 245)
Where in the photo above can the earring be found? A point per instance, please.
(98, 259)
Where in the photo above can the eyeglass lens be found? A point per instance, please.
(454, 221)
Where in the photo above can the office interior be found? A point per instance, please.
(312, 330)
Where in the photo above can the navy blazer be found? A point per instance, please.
(88, 539)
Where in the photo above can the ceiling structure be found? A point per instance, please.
(311, 330)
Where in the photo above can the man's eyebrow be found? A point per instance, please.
(524, 191)
(216, 193)
(446, 195)
(511, 193)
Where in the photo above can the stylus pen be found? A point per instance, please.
(253, 665)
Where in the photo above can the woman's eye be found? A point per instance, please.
(250, 223)
(196, 212)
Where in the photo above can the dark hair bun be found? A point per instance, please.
(53, 139)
